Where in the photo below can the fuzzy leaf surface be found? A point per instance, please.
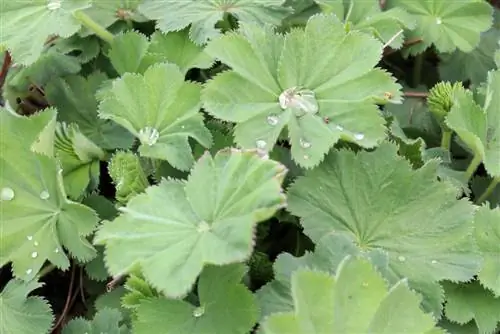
(356, 300)
(128, 51)
(36, 218)
(221, 294)
(202, 15)
(177, 227)
(379, 201)
(160, 109)
(26, 25)
(447, 24)
(479, 127)
(22, 314)
(335, 67)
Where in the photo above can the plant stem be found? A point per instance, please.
(47, 269)
(417, 69)
(472, 166)
(488, 190)
(88, 22)
(446, 139)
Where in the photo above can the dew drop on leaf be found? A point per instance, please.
(203, 227)
(54, 5)
(272, 120)
(340, 128)
(434, 262)
(401, 258)
(359, 136)
(29, 237)
(56, 250)
(306, 157)
(303, 101)
(364, 284)
(34, 255)
(438, 20)
(149, 136)
(29, 271)
(35, 243)
(198, 312)
(304, 143)
(261, 144)
(7, 194)
(44, 195)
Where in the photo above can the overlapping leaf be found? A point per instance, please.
(128, 175)
(22, 314)
(319, 83)
(448, 24)
(177, 227)
(202, 15)
(377, 199)
(107, 321)
(225, 307)
(36, 219)
(356, 300)
(479, 127)
(26, 25)
(160, 109)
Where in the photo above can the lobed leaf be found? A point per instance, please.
(107, 321)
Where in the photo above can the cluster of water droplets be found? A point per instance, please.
(198, 312)
(302, 101)
(149, 136)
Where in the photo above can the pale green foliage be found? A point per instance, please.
(225, 307)
(106, 321)
(333, 66)
(86, 49)
(177, 227)
(487, 234)
(74, 96)
(27, 24)
(471, 301)
(128, 51)
(128, 175)
(446, 24)
(202, 15)
(22, 314)
(384, 205)
(356, 300)
(368, 17)
(479, 126)
(160, 109)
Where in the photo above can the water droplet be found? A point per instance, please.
(183, 127)
(198, 312)
(306, 157)
(7, 194)
(29, 271)
(34, 255)
(29, 237)
(438, 20)
(44, 195)
(303, 101)
(54, 5)
(261, 144)
(304, 143)
(35, 243)
(359, 136)
(272, 120)
(434, 262)
(56, 250)
(401, 258)
(340, 128)
(364, 284)
(203, 227)
(149, 136)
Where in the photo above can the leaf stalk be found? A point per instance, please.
(488, 190)
(446, 139)
(476, 160)
(99, 30)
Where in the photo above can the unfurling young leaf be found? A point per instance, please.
(318, 83)
(177, 227)
(226, 306)
(356, 300)
(161, 110)
(202, 15)
(22, 314)
(128, 175)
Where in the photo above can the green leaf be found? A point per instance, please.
(22, 314)
(225, 307)
(26, 25)
(83, 49)
(385, 205)
(177, 227)
(106, 321)
(356, 300)
(75, 97)
(160, 109)
(202, 15)
(128, 175)
(446, 24)
(471, 301)
(37, 218)
(318, 83)
(487, 234)
(479, 127)
(127, 52)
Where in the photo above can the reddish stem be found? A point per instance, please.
(7, 62)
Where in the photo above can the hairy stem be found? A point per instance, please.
(417, 69)
(472, 166)
(88, 22)
(488, 190)
(446, 139)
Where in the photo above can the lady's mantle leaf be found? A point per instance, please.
(36, 218)
(356, 300)
(226, 307)
(385, 205)
(162, 110)
(27, 24)
(202, 15)
(107, 321)
(479, 127)
(177, 227)
(22, 314)
(471, 301)
(448, 24)
(487, 233)
(320, 83)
